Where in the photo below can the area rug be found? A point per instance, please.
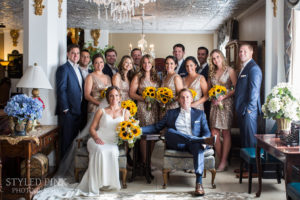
(173, 195)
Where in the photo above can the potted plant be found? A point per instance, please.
(22, 110)
(282, 105)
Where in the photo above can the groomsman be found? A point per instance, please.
(84, 63)
(109, 68)
(69, 91)
(136, 55)
(247, 96)
(202, 54)
(187, 130)
(178, 52)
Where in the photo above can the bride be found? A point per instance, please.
(103, 170)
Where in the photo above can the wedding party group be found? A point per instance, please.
(191, 102)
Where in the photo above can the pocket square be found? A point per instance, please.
(242, 76)
(197, 122)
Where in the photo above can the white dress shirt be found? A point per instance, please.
(84, 71)
(113, 69)
(76, 69)
(183, 122)
(179, 65)
(244, 65)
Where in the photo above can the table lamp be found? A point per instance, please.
(35, 78)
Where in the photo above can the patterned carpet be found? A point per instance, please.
(174, 195)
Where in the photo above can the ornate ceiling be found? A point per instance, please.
(166, 15)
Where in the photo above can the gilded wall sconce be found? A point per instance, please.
(95, 33)
(14, 35)
(59, 8)
(38, 7)
(274, 7)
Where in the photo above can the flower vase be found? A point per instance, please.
(283, 128)
(18, 127)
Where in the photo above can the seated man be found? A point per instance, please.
(187, 130)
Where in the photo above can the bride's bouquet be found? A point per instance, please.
(164, 95)
(149, 96)
(217, 91)
(194, 93)
(129, 105)
(129, 131)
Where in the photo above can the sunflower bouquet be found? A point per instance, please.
(103, 93)
(129, 105)
(164, 95)
(129, 131)
(217, 91)
(149, 96)
(194, 93)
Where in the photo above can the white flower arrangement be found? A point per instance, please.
(282, 102)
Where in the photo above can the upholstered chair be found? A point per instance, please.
(183, 160)
(82, 159)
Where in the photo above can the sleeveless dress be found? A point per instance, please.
(222, 119)
(98, 85)
(103, 169)
(124, 89)
(195, 85)
(146, 117)
(169, 84)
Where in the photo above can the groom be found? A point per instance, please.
(187, 131)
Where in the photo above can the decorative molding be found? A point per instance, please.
(14, 33)
(274, 7)
(59, 8)
(38, 5)
(95, 33)
(252, 9)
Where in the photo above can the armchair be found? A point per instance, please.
(82, 159)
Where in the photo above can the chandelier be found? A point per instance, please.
(120, 10)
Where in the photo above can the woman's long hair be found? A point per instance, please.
(153, 74)
(212, 67)
(121, 69)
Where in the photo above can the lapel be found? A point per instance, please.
(74, 73)
(192, 118)
(175, 116)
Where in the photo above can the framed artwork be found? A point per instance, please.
(15, 66)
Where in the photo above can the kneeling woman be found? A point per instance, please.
(103, 170)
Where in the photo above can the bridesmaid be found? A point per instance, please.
(171, 80)
(123, 77)
(145, 78)
(196, 82)
(94, 83)
(220, 119)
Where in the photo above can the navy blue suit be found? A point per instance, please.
(207, 103)
(247, 102)
(182, 70)
(69, 97)
(107, 70)
(180, 141)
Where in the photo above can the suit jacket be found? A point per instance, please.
(247, 91)
(69, 94)
(107, 70)
(198, 120)
(182, 71)
(204, 72)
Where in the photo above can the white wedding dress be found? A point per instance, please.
(103, 170)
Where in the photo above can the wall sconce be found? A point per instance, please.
(95, 33)
(14, 35)
(5, 64)
(38, 7)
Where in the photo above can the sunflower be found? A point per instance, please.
(194, 93)
(103, 93)
(136, 131)
(123, 135)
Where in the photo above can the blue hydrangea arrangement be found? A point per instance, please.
(24, 107)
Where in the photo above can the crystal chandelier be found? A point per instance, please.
(120, 10)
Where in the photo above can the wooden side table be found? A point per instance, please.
(44, 140)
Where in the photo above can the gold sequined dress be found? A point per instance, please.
(169, 84)
(146, 117)
(222, 118)
(196, 85)
(98, 85)
(124, 90)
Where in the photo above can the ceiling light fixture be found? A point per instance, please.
(120, 10)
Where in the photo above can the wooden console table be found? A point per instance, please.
(44, 140)
(289, 156)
